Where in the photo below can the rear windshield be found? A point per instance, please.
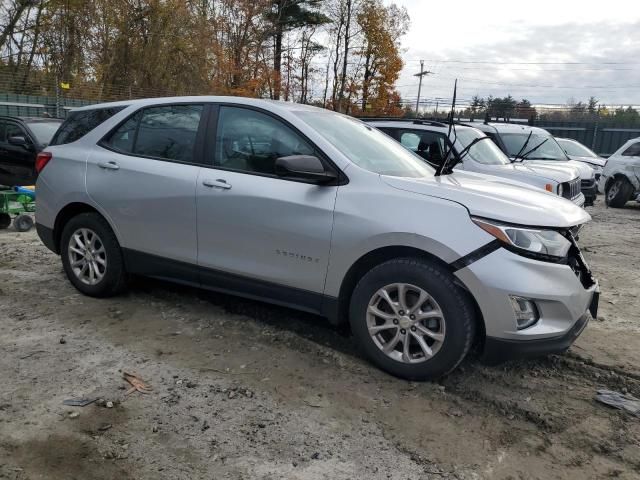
(536, 147)
(576, 149)
(79, 123)
(43, 131)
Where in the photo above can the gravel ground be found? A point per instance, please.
(245, 390)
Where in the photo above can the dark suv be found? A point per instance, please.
(21, 138)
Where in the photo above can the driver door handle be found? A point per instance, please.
(109, 165)
(219, 183)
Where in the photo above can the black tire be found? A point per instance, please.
(114, 279)
(5, 221)
(618, 192)
(438, 282)
(23, 223)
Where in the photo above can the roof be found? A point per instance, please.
(509, 128)
(31, 119)
(431, 127)
(257, 102)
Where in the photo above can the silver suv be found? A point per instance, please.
(427, 139)
(318, 211)
(538, 146)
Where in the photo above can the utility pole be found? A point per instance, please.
(420, 75)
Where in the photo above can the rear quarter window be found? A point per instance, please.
(78, 124)
(632, 151)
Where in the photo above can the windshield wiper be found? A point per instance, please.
(524, 156)
(462, 154)
(442, 169)
(524, 145)
(465, 151)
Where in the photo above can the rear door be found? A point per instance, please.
(272, 235)
(16, 161)
(143, 175)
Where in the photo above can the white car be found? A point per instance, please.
(427, 139)
(620, 180)
(533, 144)
(578, 152)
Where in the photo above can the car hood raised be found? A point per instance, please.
(495, 198)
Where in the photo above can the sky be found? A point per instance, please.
(545, 51)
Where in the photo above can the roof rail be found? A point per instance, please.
(416, 121)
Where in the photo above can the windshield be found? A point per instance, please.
(550, 150)
(485, 151)
(43, 131)
(576, 149)
(366, 146)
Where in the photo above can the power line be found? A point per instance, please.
(493, 62)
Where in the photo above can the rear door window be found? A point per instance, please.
(429, 145)
(167, 132)
(79, 123)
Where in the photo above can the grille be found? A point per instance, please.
(571, 189)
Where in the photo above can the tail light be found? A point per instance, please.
(42, 159)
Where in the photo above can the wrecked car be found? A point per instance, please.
(314, 210)
(620, 179)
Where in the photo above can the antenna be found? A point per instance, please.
(449, 143)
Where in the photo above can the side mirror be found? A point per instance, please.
(19, 142)
(304, 167)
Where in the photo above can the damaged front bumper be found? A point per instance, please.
(564, 295)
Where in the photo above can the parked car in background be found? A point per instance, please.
(533, 144)
(620, 180)
(312, 209)
(578, 152)
(427, 139)
(21, 138)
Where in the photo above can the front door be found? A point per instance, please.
(272, 235)
(143, 176)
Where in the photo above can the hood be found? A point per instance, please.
(596, 161)
(583, 170)
(557, 173)
(494, 198)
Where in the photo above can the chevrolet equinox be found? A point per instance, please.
(315, 210)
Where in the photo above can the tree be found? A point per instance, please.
(381, 29)
(287, 15)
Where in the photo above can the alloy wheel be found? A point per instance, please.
(87, 256)
(406, 323)
(614, 189)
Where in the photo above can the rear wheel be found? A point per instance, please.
(618, 192)
(91, 256)
(411, 319)
(23, 223)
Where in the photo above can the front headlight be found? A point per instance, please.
(560, 190)
(531, 242)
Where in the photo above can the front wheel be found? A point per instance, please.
(91, 256)
(618, 192)
(411, 320)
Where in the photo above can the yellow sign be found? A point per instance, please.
(65, 86)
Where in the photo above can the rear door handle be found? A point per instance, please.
(108, 165)
(219, 183)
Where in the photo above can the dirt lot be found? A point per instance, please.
(247, 390)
